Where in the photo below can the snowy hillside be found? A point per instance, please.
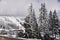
(10, 22)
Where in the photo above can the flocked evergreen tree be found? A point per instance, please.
(55, 22)
(50, 21)
(32, 22)
(43, 21)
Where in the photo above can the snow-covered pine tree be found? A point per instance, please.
(34, 21)
(43, 19)
(31, 20)
(55, 22)
(50, 21)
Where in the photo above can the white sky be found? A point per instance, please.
(20, 7)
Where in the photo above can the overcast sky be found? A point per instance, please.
(20, 7)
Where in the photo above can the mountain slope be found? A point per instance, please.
(11, 22)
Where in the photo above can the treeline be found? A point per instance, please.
(47, 24)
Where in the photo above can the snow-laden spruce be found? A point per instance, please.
(43, 20)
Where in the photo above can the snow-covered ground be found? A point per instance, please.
(32, 39)
(10, 36)
(11, 22)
